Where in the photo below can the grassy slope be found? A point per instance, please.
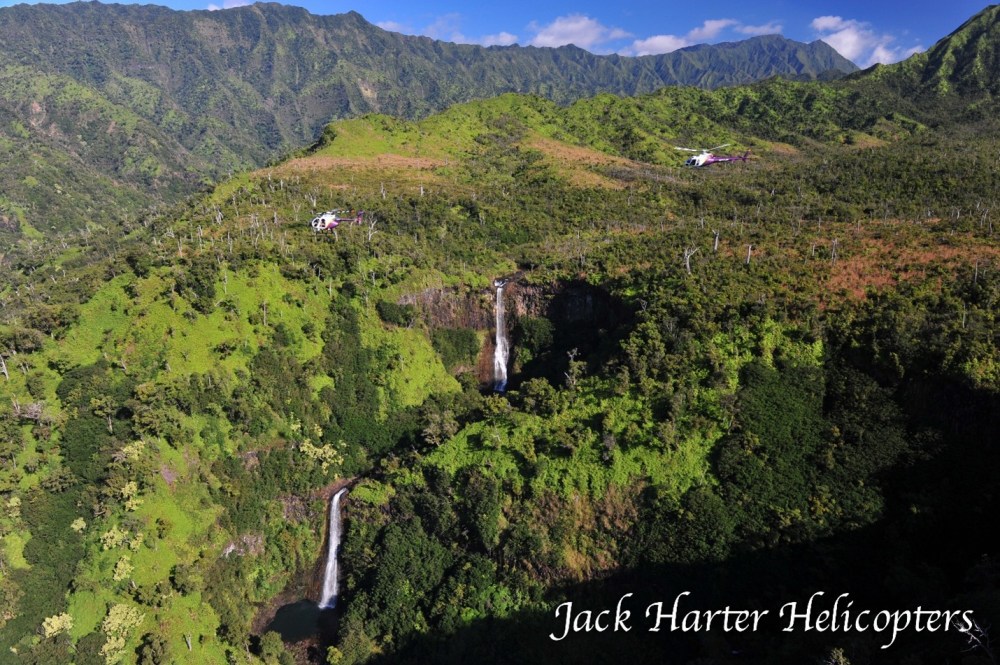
(162, 340)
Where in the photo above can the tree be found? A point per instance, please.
(356, 646)
(272, 650)
(185, 579)
(483, 508)
(104, 408)
(702, 529)
(54, 625)
(688, 253)
(440, 425)
(118, 623)
(154, 650)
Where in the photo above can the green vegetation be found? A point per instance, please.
(141, 105)
(752, 381)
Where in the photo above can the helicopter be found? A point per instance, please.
(707, 158)
(331, 219)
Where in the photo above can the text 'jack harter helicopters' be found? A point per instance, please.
(707, 158)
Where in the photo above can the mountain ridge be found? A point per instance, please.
(958, 70)
(167, 99)
(142, 104)
(968, 58)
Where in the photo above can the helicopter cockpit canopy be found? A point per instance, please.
(325, 221)
(331, 219)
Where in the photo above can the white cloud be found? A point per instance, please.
(859, 42)
(393, 26)
(446, 27)
(229, 4)
(710, 29)
(830, 23)
(656, 44)
(576, 29)
(584, 32)
(772, 28)
(499, 39)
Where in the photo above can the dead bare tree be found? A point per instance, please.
(34, 411)
(978, 639)
(688, 253)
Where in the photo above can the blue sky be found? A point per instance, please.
(863, 31)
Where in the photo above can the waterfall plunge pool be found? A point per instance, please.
(307, 620)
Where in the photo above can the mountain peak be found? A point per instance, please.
(965, 62)
(968, 59)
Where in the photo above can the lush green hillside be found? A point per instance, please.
(73, 159)
(183, 398)
(963, 62)
(751, 381)
(120, 103)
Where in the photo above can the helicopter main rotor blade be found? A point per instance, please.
(717, 147)
(677, 147)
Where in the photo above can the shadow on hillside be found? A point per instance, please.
(933, 550)
(859, 564)
(587, 322)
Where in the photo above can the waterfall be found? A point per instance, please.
(329, 598)
(500, 351)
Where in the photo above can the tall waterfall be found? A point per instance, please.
(329, 598)
(500, 351)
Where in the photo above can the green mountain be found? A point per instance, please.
(141, 103)
(753, 382)
(956, 76)
(735, 63)
(965, 61)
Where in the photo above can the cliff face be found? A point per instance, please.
(565, 304)
(562, 303)
(579, 316)
(451, 308)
